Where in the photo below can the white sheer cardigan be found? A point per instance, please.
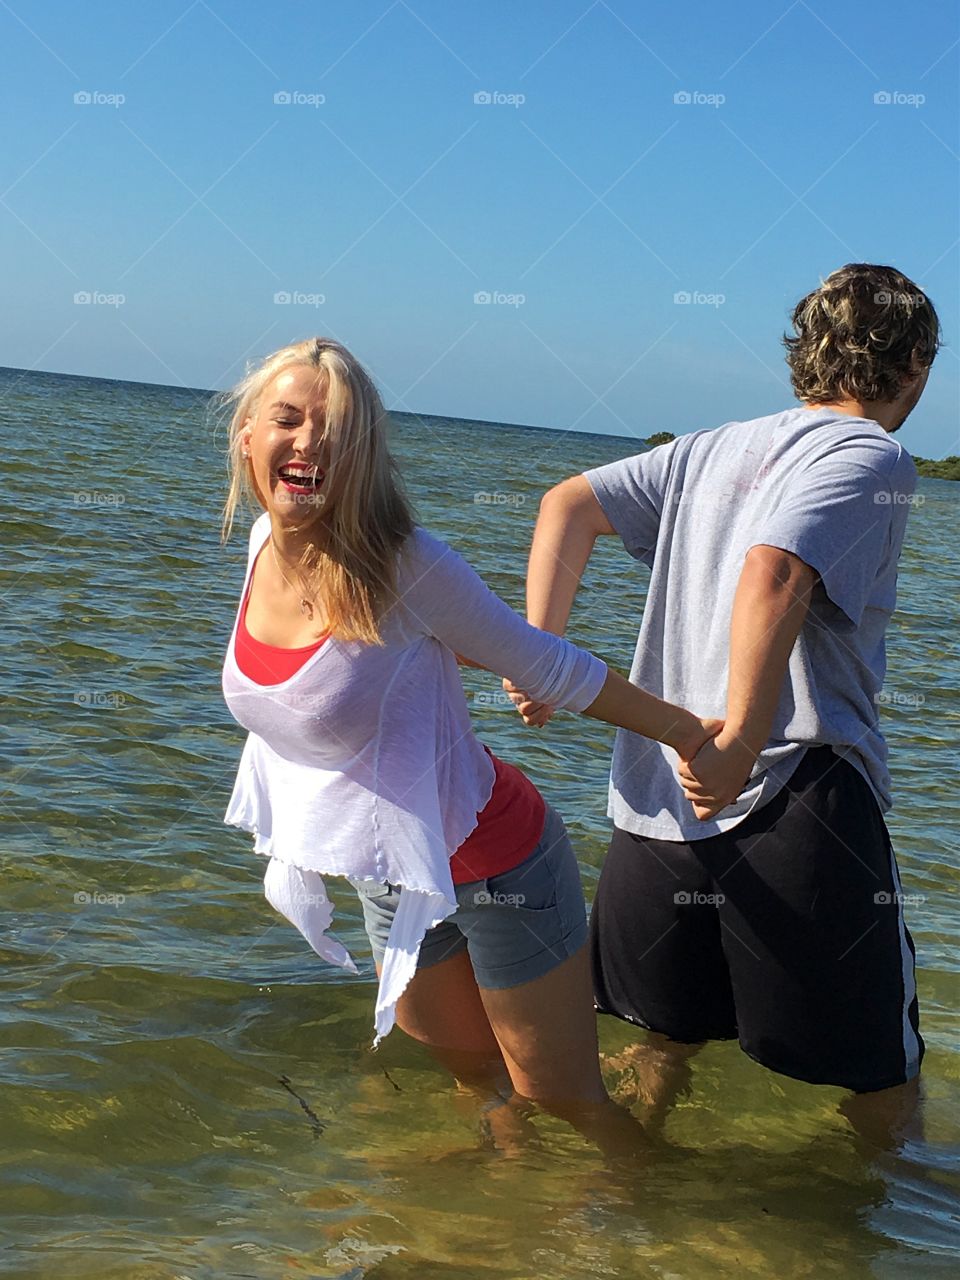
(364, 762)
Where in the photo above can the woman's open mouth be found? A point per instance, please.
(301, 481)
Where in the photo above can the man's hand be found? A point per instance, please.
(701, 734)
(532, 713)
(769, 608)
(717, 774)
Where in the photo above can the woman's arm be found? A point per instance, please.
(448, 599)
(625, 705)
(445, 598)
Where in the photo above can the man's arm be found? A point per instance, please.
(769, 608)
(570, 521)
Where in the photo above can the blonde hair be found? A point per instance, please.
(860, 336)
(366, 516)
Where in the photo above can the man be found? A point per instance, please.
(756, 895)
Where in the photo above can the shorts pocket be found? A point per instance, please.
(543, 881)
(372, 888)
(535, 891)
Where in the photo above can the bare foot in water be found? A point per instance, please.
(504, 1118)
(650, 1074)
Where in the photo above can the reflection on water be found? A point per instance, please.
(190, 1092)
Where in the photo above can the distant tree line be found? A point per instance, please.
(661, 437)
(944, 469)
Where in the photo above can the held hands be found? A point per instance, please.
(714, 765)
(535, 714)
(694, 737)
(717, 774)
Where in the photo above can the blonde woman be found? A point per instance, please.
(360, 760)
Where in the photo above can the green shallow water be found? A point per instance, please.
(189, 1092)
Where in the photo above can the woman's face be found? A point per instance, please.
(285, 443)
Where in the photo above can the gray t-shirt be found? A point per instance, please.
(831, 489)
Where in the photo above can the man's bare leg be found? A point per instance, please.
(886, 1118)
(655, 1073)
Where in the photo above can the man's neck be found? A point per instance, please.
(884, 414)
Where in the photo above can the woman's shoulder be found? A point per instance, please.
(430, 571)
(260, 530)
(259, 533)
(421, 550)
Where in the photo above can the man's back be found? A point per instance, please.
(831, 489)
(768, 910)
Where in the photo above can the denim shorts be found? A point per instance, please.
(515, 926)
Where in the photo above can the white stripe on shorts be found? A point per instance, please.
(911, 1045)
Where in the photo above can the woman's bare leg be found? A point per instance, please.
(442, 1010)
(547, 1032)
(532, 1043)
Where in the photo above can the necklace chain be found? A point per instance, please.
(306, 604)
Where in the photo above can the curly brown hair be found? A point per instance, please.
(860, 336)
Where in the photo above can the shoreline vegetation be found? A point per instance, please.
(937, 469)
(942, 469)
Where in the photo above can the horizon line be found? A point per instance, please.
(207, 391)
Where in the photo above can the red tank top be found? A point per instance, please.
(508, 827)
(268, 663)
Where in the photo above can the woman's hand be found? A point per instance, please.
(717, 774)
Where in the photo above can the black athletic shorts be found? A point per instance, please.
(785, 932)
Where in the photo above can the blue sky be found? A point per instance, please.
(382, 198)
